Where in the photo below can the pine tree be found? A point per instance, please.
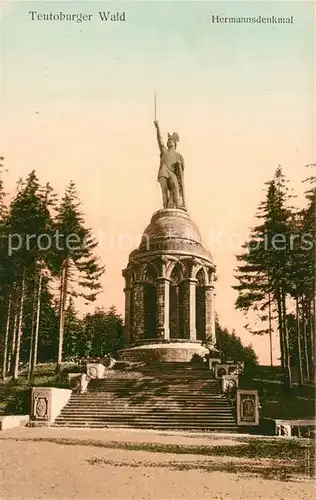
(5, 298)
(73, 330)
(103, 332)
(231, 347)
(263, 272)
(47, 341)
(77, 266)
(308, 229)
(27, 223)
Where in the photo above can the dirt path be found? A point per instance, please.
(40, 469)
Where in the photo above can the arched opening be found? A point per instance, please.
(150, 303)
(200, 305)
(176, 303)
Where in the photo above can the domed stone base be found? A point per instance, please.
(169, 292)
(181, 352)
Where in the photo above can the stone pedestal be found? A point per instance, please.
(47, 403)
(162, 277)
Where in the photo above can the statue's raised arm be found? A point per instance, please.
(159, 139)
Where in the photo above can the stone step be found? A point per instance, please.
(113, 375)
(146, 404)
(158, 393)
(155, 397)
(150, 383)
(134, 425)
(139, 400)
(101, 425)
(145, 420)
(152, 394)
(129, 411)
(153, 404)
(156, 385)
(187, 388)
(194, 376)
(148, 418)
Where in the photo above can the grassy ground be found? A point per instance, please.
(293, 452)
(275, 400)
(15, 396)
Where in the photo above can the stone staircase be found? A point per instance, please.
(162, 396)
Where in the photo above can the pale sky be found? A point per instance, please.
(78, 104)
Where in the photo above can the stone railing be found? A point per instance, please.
(220, 369)
(78, 381)
(229, 383)
(304, 427)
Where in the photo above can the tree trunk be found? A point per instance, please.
(6, 339)
(311, 337)
(305, 347)
(299, 348)
(288, 373)
(14, 332)
(313, 332)
(281, 325)
(270, 332)
(29, 370)
(62, 301)
(37, 322)
(19, 333)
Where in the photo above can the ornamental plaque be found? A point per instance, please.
(40, 405)
(247, 407)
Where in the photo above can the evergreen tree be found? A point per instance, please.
(264, 270)
(28, 222)
(48, 338)
(231, 347)
(104, 332)
(309, 295)
(78, 268)
(5, 298)
(73, 330)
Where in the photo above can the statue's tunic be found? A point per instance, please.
(168, 163)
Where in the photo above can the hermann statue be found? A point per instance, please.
(170, 175)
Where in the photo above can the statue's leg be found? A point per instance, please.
(164, 190)
(170, 194)
(174, 189)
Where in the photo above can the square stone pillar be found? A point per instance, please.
(138, 311)
(210, 314)
(189, 308)
(163, 308)
(128, 326)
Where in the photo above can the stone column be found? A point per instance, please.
(128, 326)
(138, 311)
(210, 314)
(174, 311)
(189, 308)
(163, 308)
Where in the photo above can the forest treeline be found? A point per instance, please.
(48, 260)
(276, 275)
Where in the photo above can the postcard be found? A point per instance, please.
(157, 250)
